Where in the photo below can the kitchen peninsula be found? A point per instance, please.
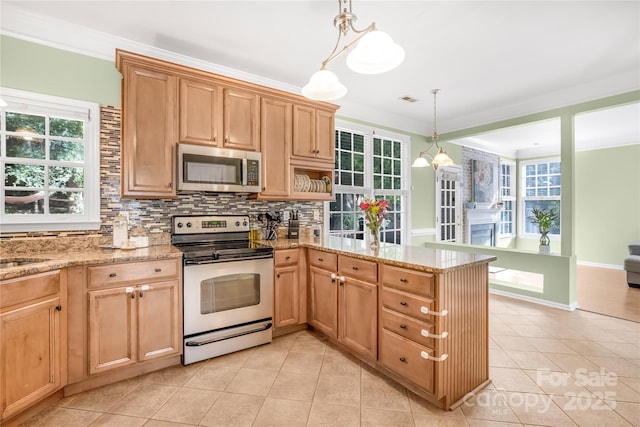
(419, 315)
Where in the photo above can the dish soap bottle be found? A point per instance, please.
(120, 230)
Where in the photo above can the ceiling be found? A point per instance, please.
(491, 60)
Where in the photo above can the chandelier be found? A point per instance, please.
(441, 157)
(374, 53)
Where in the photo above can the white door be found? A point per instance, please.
(449, 204)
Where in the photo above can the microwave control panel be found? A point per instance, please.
(253, 172)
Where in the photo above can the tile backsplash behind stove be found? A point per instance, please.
(155, 215)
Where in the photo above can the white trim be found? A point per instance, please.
(597, 264)
(420, 232)
(567, 307)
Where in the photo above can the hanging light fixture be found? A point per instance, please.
(441, 158)
(374, 53)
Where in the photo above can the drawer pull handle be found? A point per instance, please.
(403, 303)
(403, 280)
(288, 257)
(158, 270)
(354, 268)
(112, 275)
(426, 333)
(320, 260)
(403, 360)
(425, 310)
(403, 326)
(426, 355)
(59, 307)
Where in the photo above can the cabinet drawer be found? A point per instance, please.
(285, 257)
(403, 357)
(358, 268)
(122, 273)
(30, 288)
(324, 260)
(408, 280)
(408, 304)
(408, 327)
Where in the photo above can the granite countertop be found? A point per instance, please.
(46, 261)
(414, 257)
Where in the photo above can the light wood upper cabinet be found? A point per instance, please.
(275, 134)
(32, 340)
(241, 119)
(313, 133)
(200, 112)
(149, 134)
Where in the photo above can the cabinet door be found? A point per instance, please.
(200, 112)
(148, 132)
(325, 135)
(358, 302)
(286, 301)
(275, 126)
(112, 329)
(324, 302)
(159, 320)
(241, 120)
(304, 132)
(30, 355)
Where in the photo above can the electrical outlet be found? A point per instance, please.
(285, 215)
(316, 214)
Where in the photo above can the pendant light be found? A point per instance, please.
(441, 158)
(374, 53)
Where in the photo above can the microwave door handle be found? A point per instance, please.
(244, 171)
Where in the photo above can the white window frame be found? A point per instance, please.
(523, 197)
(508, 194)
(35, 103)
(367, 189)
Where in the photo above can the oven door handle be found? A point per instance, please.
(239, 334)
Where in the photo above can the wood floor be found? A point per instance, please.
(605, 291)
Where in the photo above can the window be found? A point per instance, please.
(369, 164)
(540, 186)
(508, 198)
(49, 156)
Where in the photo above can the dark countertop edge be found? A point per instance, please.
(98, 256)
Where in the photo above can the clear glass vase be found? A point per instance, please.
(544, 238)
(374, 242)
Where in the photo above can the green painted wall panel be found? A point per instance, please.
(607, 203)
(37, 68)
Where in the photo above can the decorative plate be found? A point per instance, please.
(327, 184)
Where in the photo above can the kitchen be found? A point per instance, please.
(155, 215)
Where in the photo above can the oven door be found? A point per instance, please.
(224, 294)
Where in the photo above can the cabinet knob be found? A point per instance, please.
(141, 294)
(403, 326)
(169, 185)
(278, 276)
(320, 260)
(133, 295)
(288, 258)
(112, 275)
(354, 268)
(403, 303)
(158, 270)
(59, 307)
(403, 360)
(403, 280)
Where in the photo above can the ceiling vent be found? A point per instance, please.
(408, 99)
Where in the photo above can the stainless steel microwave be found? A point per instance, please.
(218, 170)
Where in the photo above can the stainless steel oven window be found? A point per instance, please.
(229, 292)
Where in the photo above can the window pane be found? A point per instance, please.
(358, 163)
(20, 147)
(16, 175)
(541, 192)
(387, 166)
(66, 203)
(335, 221)
(377, 147)
(397, 167)
(554, 167)
(397, 150)
(397, 183)
(345, 161)
(388, 148)
(547, 205)
(25, 123)
(345, 140)
(377, 165)
(66, 128)
(68, 151)
(388, 185)
(358, 143)
(542, 168)
(345, 178)
(23, 202)
(377, 182)
(65, 177)
(358, 179)
(530, 170)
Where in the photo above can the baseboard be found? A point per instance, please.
(567, 307)
(597, 264)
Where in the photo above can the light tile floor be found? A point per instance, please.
(549, 367)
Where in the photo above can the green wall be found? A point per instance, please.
(42, 69)
(607, 203)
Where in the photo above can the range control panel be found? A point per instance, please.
(198, 224)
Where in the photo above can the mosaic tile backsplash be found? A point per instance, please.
(153, 215)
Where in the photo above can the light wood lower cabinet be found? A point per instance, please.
(290, 295)
(33, 340)
(344, 300)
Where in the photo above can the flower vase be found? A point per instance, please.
(374, 244)
(544, 247)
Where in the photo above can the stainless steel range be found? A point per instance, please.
(227, 285)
